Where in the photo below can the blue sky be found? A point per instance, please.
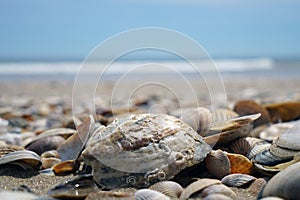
(71, 29)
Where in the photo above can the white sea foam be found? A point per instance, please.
(138, 67)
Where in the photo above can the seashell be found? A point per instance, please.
(147, 194)
(257, 149)
(237, 180)
(49, 162)
(257, 185)
(23, 158)
(230, 130)
(151, 148)
(239, 164)
(110, 195)
(275, 130)
(77, 188)
(5, 149)
(220, 115)
(285, 184)
(217, 197)
(198, 186)
(45, 144)
(65, 167)
(248, 107)
(271, 198)
(71, 148)
(282, 152)
(198, 118)
(283, 112)
(50, 154)
(218, 164)
(290, 139)
(218, 189)
(267, 158)
(243, 145)
(169, 188)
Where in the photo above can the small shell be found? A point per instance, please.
(237, 180)
(257, 185)
(267, 158)
(147, 194)
(110, 195)
(65, 167)
(239, 164)
(198, 118)
(28, 157)
(271, 198)
(49, 162)
(197, 186)
(218, 189)
(283, 112)
(77, 188)
(290, 139)
(247, 107)
(243, 145)
(217, 197)
(230, 130)
(50, 154)
(257, 149)
(275, 130)
(282, 152)
(169, 188)
(285, 184)
(45, 144)
(217, 164)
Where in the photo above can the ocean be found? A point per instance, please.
(226, 67)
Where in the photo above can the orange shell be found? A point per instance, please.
(239, 164)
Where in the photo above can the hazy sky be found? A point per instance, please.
(71, 28)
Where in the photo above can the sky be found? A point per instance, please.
(69, 29)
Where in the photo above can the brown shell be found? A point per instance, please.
(243, 145)
(218, 164)
(45, 144)
(247, 107)
(283, 112)
(239, 164)
(65, 167)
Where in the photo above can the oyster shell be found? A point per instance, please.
(143, 149)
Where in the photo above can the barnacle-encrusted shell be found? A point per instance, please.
(143, 149)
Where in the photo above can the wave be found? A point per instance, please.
(136, 67)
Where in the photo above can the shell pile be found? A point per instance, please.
(187, 153)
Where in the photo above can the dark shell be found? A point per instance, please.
(283, 112)
(46, 144)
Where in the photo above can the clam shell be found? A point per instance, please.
(169, 188)
(65, 167)
(218, 164)
(275, 130)
(239, 164)
(49, 162)
(218, 189)
(230, 130)
(282, 152)
(198, 186)
(290, 139)
(283, 112)
(285, 184)
(28, 157)
(198, 118)
(77, 188)
(147, 147)
(45, 144)
(267, 158)
(147, 194)
(217, 197)
(257, 149)
(237, 180)
(247, 107)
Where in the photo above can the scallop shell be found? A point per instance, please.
(285, 184)
(28, 157)
(151, 148)
(247, 107)
(243, 145)
(257, 149)
(198, 186)
(169, 188)
(237, 180)
(218, 189)
(147, 194)
(217, 164)
(198, 118)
